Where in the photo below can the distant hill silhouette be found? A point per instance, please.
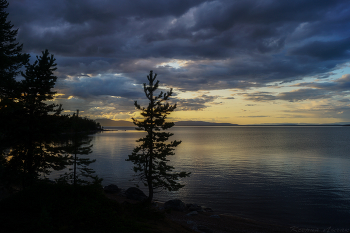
(113, 123)
(121, 123)
(201, 123)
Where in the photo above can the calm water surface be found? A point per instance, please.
(298, 176)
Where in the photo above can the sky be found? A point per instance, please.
(228, 61)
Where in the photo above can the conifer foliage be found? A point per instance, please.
(76, 146)
(37, 86)
(150, 158)
(11, 56)
(11, 60)
(31, 128)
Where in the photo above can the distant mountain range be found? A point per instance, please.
(121, 123)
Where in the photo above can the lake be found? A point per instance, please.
(299, 176)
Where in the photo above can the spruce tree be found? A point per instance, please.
(150, 158)
(78, 144)
(33, 152)
(36, 88)
(29, 124)
(11, 56)
(11, 60)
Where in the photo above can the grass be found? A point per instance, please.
(63, 208)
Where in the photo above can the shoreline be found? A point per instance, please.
(211, 221)
(216, 221)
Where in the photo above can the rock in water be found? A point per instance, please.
(175, 204)
(112, 188)
(135, 194)
(192, 213)
(208, 210)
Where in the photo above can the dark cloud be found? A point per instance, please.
(302, 94)
(292, 96)
(325, 50)
(260, 96)
(99, 106)
(196, 104)
(89, 87)
(339, 85)
(222, 44)
(312, 90)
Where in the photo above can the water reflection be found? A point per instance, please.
(292, 175)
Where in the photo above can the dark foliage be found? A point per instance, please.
(75, 143)
(150, 158)
(72, 124)
(76, 146)
(30, 138)
(11, 60)
(36, 88)
(30, 125)
(11, 56)
(63, 208)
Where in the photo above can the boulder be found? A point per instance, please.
(192, 213)
(135, 194)
(112, 188)
(175, 204)
(194, 207)
(208, 210)
(190, 222)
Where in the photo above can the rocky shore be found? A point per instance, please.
(192, 217)
(184, 218)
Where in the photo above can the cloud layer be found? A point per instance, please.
(193, 45)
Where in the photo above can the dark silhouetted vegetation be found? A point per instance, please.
(30, 151)
(75, 145)
(54, 208)
(31, 125)
(35, 149)
(12, 60)
(76, 124)
(150, 158)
